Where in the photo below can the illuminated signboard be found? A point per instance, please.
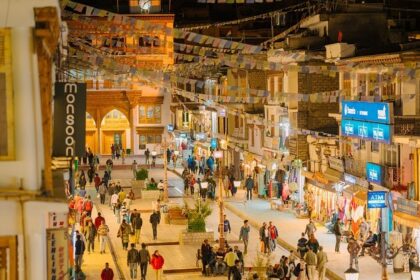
(376, 132)
(376, 200)
(374, 173)
(170, 127)
(377, 112)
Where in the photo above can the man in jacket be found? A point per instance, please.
(273, 234)
(79, 250)
(205, 255)
(249, 185)
(154, 220)
(132, 261)
(98, 220)
(144, 259)
(226, 226)
(107, 273)
(102, 192)
(310, 228)
(230, 260)
(311, 263)
(236, 271)
(102, 234)
(136, 224)
(244, 235)
(264, 238)
(338, 233)
(322, 263)
(353, 248)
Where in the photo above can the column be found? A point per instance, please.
(98, 121)
(132, 128)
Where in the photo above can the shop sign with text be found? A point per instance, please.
(377, 112)
(409, 207)
(376, 132)
(374, 173)
(376, 199)
(336, 163)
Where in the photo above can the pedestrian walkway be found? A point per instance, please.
(290, 227)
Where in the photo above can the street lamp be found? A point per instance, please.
(219, 155)
(165, 166)
(415, 273)
(351, 274)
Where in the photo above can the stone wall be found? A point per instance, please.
(188, 238)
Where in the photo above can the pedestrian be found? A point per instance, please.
(273, 234)
(236, 271)
(310, 228)
(313, 243)
(353, 248)
(240, 257)
(90, 234)
(114, 201)
(226, 185)
(79, 250)
(147, 155)
(136, 224)
(230, 260)
(301, 245)
(124, 234)
(98, 220)
(364, 230)
(102, 192)
(134, 169)
(97, 181)
(132, 261)
(113, 151)
(144, 259)
(102, 234)
(322, 263)
(157, 262)
(311, 263)
(226, 226)
(249, 185)
(88, 205)
(205, 255)
(121, 195)
(78, 273)
(337, 232)
(264, 238)
(118, 211)
(107, 273)
(154, 220)
(244, 235)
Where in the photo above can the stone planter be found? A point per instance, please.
(150, 194)
(138, 186)
(192, 238)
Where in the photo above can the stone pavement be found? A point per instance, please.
(176, 256)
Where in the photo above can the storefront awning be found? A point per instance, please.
(406, 220)
(320, 180)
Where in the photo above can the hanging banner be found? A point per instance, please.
(57, 253)
(69, 119)
(376, 132)
(378, 112)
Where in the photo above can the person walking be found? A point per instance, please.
(272, 234)
(98, 220)
(244, 235)
(107, 273)
(102, 192)
(136, 224)
(311, 263)
(147, 155)
(249, 185)
(144, 259)
(337, 232)
(353, 248)
(124, 234)
(205, 255)
(157, 263)
(310, 228)
(90, 234)
(102, 234)
(132, 261)
(79, 250)
(226, 226)
(230, 260)
(236, 271)
(97, 180)
(264, 238)
(322, 263)
(134, 169)
(154, 220)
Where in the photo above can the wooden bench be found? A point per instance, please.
(176, 217)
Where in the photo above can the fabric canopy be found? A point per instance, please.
(406, 220)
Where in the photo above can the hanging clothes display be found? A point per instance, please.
(262, 190)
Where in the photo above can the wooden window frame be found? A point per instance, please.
(152, 120)
(10, 242)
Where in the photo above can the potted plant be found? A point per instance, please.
(138, 184)
(196, 226)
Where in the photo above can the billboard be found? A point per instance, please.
(374, 173)
(376, 132)
(69, 119)
(377, 112)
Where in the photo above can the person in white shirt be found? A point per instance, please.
(127, 201)
(114, 201)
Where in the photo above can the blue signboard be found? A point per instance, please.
(374, 173)
(377, 112)
(213, 143)
(376, 132)
(376, 199)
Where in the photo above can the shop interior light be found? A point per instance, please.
(351, 274)
(218, 154)
(237, 184)
(154, 153)
(176, 153)
(204, 185)
(274, 166)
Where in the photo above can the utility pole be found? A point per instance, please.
(383, 249)
(165, 167)
(221, 210)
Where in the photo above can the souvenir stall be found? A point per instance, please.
(296, 182)
(352, 207)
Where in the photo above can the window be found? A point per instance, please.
(150, 113)
(150, 139)
(8, 257)
(374, 147)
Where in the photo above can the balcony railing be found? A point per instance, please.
(407, 126)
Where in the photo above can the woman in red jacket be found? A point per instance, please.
(157, 262)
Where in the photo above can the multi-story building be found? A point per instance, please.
(128, 112)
